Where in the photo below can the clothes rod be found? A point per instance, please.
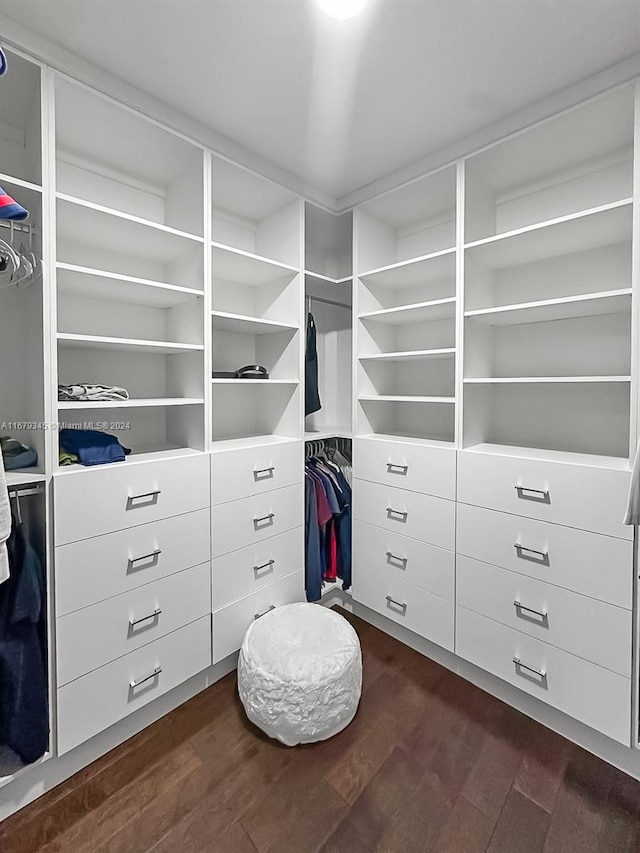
(328, 302)
(25, 491)
(19, 227)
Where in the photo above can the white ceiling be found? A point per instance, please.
(340, 104)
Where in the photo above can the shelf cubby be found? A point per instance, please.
(579, 160)
(408, 223)
(421, 377)
(20, 122)
(426, 280)
(571, 417)
(255, 215)
(278, 351)
(138, 168)
(418, 420)
(255, 411)
(377, 336)
(75, 280)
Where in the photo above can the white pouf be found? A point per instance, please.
(300, 673)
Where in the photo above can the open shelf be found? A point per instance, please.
(419, 419)
(254, 214)
(399, 398)
(414, 272)
(328, 432)
(410, 355)
(254, 270)
(415, 220)
(129, 404)
(580, 159)
(243, 324)
(254, 381)
(325, 279)
(78, 280)
(24, 476)
(20, 124)
(244, 441)
(97, 342)
(423, 442)
(544, 380)
(245, 409)
(138, 168)
(584, 305)
(566, 457)
(417, 312)
(144, 453)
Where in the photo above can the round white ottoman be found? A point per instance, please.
(300, 673)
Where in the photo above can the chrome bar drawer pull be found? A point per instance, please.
(522, 611)
(150, 556)
(258, 615)
(265, 519)
(393, 603)
(396, 514)
(394, 468)
(399, 561)
(147, 497)
(264, 473)
(532, 554)
(539, 673)
(526, 494)
(266, 565)
(154, 615)
(156, 672)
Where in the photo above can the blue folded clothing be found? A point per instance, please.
(93, 447)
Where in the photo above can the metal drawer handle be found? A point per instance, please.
(400, 604)
(268, 517)
(154, 674)
(394, 468)
(541, 495)
(541, 613)
(266, 565)
(156, 612)
(150, 556)
(541, 673)
(151, 497)
(259, 472)
(258, 615)
(541, 557)
(395, 513)
(394, 558)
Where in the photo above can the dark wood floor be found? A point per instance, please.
(430, 763)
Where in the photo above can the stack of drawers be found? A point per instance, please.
(404, 534)
(545, 583)
(257, 523)
(132, 588)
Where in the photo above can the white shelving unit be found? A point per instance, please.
(406, 296)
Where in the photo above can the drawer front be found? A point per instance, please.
(415, 467)
(94, 569)
(96, 701)
(595, 696)
(92, 637)
(421, 517)
(425, 614)
(587, 498)
(419, 563)
(598, 632)
(242, 572)
(239, 474)
(230, 623)
(114, 497)
(252, 520)
(589, 563)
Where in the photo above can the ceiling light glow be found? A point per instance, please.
(342, 9)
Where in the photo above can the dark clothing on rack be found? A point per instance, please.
(24, 715)
(311, 394)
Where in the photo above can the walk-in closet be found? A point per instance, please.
(319, 426)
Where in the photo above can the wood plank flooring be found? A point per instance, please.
(430, 764)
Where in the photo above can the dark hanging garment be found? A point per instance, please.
(24, 717)
(311, 394)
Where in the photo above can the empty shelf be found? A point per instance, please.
(419, 312)
(415, 271)
(618, 463)
(99, 342)
(243, 324)
(411, 355)
(233, 264)
(584, 305)
(393, 398)
(542, 380)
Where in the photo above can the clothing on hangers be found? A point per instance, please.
(5, 524)
(311, 393)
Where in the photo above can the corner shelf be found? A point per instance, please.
(328, 432)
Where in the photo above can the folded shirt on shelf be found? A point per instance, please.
(84, 392)
(17, 455)
(92, 447)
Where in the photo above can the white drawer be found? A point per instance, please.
(418, 610)
(230, 623)
(91, 704)
(588, 563)
(419, 516)
(251, 520)
(598, 632)
(575, 495)
(91, 570)
(239, 474)
(91, 637)
(416, 467)
(242, 572)
(419, 563)
(114, 497)
(595, 696)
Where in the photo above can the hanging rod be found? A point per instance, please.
(24, 491)
(20, 227)
(328, 302)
